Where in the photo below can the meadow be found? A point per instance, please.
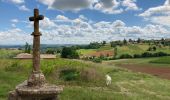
(129, 49)
(4, 54)
(84, 80)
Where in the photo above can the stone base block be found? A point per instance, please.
(46, 92)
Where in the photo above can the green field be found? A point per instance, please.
(130, 49)
(89, 83)
(8, 53)
(162, 60)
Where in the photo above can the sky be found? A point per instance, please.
(84, 21)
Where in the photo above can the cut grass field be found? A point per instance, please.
(126, 85)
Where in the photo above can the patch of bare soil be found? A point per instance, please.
(162, 72)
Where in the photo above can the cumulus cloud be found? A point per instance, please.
(61, 17)
(105, 6)
(130, 4)
(81, 31)
(24, 8)
(67, 4)
(14, 36)
(158, 15)
(15, 1)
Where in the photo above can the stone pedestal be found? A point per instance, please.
(45, 92)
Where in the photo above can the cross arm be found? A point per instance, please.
(40, 17)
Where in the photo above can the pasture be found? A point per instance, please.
(86, 80)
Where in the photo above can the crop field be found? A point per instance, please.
(159, 67)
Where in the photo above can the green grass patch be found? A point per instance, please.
(162, 60)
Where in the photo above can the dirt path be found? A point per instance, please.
(162, 72)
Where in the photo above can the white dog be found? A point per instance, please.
(108, 80)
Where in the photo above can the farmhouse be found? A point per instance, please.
(29, 56)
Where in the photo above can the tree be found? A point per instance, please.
(104, 43)
(154, 48)
(50, 51)
(139, 40)
(27, 48)
(69, 52)
(130, 41)
(125, 42)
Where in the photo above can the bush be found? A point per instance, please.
(97, 60)
(69, 74)
(125, 56)
(69, 52)
(137, 56)
(148, 54)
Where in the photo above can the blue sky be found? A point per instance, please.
(84, 21)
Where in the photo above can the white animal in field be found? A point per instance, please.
(108, 80)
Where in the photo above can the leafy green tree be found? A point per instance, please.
(50, 51)
(104, 43)
(139, 40)
(69, 52)
(27, 48)
(125, 42)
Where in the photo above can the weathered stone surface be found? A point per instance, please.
(36, 79)
(35, 88)
(46, 92)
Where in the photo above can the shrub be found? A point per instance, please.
(125, 56)
(137, 56)
(97, 60)
(69, 74)
(69, 52)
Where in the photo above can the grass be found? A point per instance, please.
(8, 53)
(90, 84)
(162, 60)
(86, 51)
(132, 49)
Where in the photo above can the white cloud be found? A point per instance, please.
(108, 6)
(67, 4)
(130, 4)
(14, 36)
(105, 6)
(15, 20)
(24, 8)
(47, 23)
(47, 2)
(15, 1)
(81, 31)
(13, 25)
(158, 15)
(61, 17)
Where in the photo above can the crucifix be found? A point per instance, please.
(37, 78)
(36, 40)
(35, 88)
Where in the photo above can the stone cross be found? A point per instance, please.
(36, 78)
(36, 40)
(35, 88)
